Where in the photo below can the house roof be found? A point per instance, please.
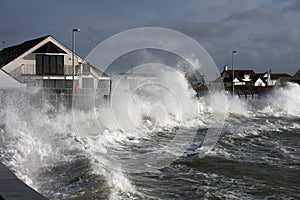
(242, 72)
(296, 76)
(99, 72)
(263, 79)
(260, 76)
(10, 53)
(238, 78)
(282, 75)
(237, 74)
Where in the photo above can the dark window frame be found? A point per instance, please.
(49, 64)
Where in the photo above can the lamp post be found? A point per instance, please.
(232, 53)
(73, 51)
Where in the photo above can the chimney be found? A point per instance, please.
(225, 68)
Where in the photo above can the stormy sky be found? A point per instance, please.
(266, 33)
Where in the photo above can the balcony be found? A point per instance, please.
(25, 72)
(30, 69)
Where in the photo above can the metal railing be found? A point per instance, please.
(30, 69)
(81, 91)
(83, 99)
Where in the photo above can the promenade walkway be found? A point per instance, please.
(12, 188)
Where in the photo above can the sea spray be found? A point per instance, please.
(42, 145)
(152, 91)
(284, 101)
(47, 138)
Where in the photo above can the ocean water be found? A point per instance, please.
(74, 154)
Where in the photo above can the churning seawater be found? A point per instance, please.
(256, 157)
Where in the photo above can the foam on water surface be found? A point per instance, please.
(35, 142)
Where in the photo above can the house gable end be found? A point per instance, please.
(41, 45)
(236, 80)
(260, 82)
(49, 47)
(11, 53)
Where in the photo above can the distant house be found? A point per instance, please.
(279, 79)
(296, 77)
(271, 79)
(249, 79)
(241, 77)
(226, 76)
(261, 80)
(46, 63)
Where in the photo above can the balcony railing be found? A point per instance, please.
(30, 69)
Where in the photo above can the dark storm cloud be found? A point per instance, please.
(288, 37)
(208, 29)
(293, 5)
(262, 58)
(259, 14)
(250, 27)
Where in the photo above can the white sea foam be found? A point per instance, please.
(284, 101)
(152, 92)
(33, 139)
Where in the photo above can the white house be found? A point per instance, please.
(238, 81)
(46, 63)
(260, 82)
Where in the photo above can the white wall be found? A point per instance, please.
(7, 81)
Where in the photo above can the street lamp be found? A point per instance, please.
(73, 51)
(232, 53)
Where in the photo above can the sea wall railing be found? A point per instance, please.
(85, 98)
(251, 94)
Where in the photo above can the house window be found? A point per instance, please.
(48, 83)
(86, 69)
(68, 84)
(46, 64)
(49, 64)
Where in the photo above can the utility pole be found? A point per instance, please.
(73, 52)
(232, 60)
